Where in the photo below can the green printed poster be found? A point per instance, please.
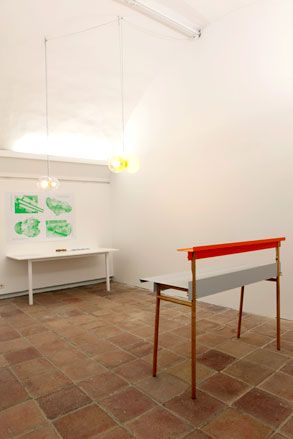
(60, 228)
(29, 227)
(58, 206)
(40, 216)
(27, 204)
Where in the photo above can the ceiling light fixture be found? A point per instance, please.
(162, 18)
(122, 162)
(47, 182)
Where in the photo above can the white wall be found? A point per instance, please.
(214, 134)
(92, 223)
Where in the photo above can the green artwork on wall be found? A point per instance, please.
(29, 228)
(27, 204)
(58, 206)
(40, 216)
(60, 228)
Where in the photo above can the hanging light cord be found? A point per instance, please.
(122, 78)
(46, 105)
(122, 82)
(88, 29)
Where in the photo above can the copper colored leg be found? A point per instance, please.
(156, 335)
(240, 312)
(278, 314)
(193, 330)
(193, 352)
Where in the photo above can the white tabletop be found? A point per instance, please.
(52, 254)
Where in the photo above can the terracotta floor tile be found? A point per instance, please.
(82, 369)
(158, 424)
(163, 387)
(288, 337)
(224, 388)
(196, 411)
(41, 339)
(287, 428)
(12, 392)
(102, 385)
(116, 433)
(280, 384)
(236, 348)
(166, 358)
(268, 329)
(286, 347)
(288, 368)
(19, 419)
(42, 432)
(184, 349)
(140, 349)
(3, 361)
(13, 345)
(86, 422)
(251, 373)
(127, 404)
(7, 334)
(228, 331)
(33, 329)
(63, 401)
(184, 331)
(273, 360)
(144, 331)
(168, 340)
(277, 436)
(231, 424)
(215, 359)
(42, 384)
(183, 371)
(99, 346)
(207, 325)
(66, 356)
(125, 339)
(264, 406)
(211, 339)
(114, 358)
(55, 348)
(253, 338)
(22, 355)
(197, 434)
(28, 369)
(134, 371)
(106, 331)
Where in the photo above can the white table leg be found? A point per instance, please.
(107, 271)
(30, 283)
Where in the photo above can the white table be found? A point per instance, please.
(53, 255)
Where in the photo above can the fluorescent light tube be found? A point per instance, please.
(162, 18)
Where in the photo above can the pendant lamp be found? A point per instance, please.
(47, 182)
(122, 162)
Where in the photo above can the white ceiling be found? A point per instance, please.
(83, 79)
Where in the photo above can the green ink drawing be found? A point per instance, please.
(58, 228)
(27, 204)
(29, 228)
(58, 206)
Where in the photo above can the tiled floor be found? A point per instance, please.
(78, 365)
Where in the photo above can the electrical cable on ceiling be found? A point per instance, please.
(88, 29)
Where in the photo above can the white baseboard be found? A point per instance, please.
(54, 288)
